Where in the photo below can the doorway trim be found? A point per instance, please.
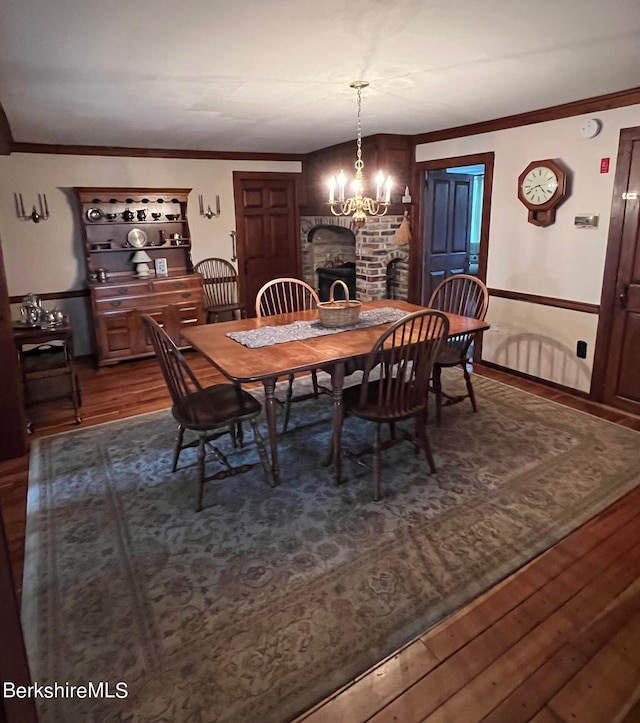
(417, 249)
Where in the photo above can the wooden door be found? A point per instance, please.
(14, 666)
(268, 235)
(620, 308)
(13, 424)
(447, 219)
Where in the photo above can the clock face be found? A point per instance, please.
(539, 185)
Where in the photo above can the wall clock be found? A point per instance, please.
(542, 187)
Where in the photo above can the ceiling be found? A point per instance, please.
(257, 76)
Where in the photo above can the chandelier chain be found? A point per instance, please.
(359, 164)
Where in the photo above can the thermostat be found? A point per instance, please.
(587, 221)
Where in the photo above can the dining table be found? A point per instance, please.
(333, 352)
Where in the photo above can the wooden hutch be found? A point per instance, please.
(116, 223)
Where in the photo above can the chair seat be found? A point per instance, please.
(224, 308)
(372, 411)
(450, 358)
(217, 406)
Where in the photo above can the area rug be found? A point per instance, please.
(269, 599)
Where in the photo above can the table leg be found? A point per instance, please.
(337, 382)
(270, 410)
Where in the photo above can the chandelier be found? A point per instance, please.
(359, 205)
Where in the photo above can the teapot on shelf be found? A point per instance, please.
(31, 310)
(53, 317)
(128, 215)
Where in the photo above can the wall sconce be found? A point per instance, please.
(141, 259)
(209, 213)
(34, 216)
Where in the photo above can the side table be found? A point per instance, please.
(50, 355)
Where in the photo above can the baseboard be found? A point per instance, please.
(532, 378)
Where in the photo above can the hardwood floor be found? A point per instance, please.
(557, 642)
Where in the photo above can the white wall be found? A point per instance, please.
(557, 261)
(48, 257)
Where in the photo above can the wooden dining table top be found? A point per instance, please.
(243, 364)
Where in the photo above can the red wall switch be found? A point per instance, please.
(604, 165)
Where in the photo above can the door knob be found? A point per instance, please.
(623, 296)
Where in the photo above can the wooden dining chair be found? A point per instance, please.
(210, 411)
(220, 284)
(404, 355)
(467, 296)
(283, 296)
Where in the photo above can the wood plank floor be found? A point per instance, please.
(558, 642)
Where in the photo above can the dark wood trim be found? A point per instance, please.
(152, 152)
(6, 137)
(55, 295)
(349, 145)
(530, 377)
(546, 301)
(612, 260)
(564, 110)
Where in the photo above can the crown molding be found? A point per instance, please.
(151, 152)
(555, 112)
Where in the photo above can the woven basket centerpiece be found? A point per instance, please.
(335, 313)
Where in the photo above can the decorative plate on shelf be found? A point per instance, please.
(137, 238)
(94, 214)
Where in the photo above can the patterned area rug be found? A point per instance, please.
(269, 599)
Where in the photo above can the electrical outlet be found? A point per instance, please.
(581, 349)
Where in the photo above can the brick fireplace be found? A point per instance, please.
(375, 252)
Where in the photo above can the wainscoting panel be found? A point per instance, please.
(541, 341)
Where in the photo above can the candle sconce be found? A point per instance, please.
(209, 213)
(35, 216)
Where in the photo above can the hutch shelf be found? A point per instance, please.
(116, 223)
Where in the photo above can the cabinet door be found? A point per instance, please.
(161, 314)
(115, 335)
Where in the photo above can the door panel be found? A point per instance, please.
(448, 202)
(622, 380)
(268, 244)
(629, 381)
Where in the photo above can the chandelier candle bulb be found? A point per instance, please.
(379, 184)
(342, 182)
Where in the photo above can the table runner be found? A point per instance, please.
(269, 335)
